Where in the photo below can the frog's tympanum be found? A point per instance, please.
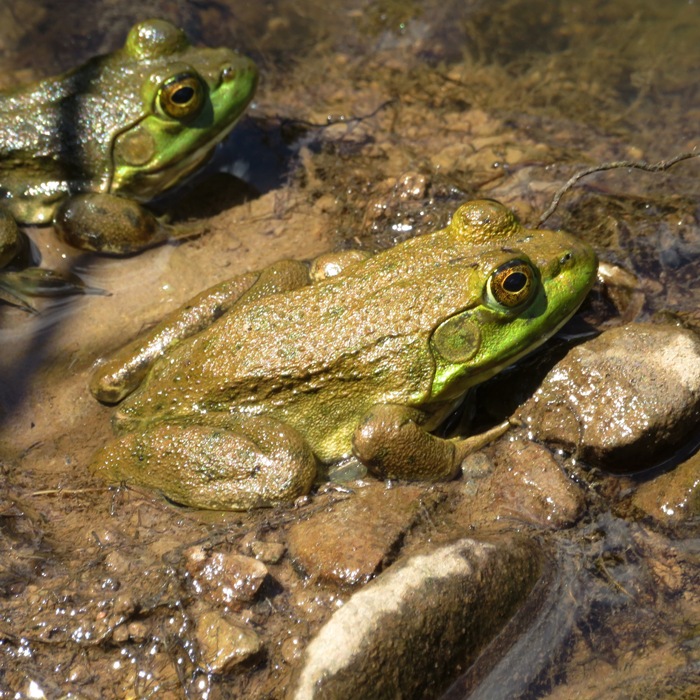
(237, 399)
(80, 150)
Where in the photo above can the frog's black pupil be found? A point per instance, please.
(515, 282)
(182, 95)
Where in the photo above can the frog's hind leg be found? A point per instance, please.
(125, 370)
(392, 443)
(257, 462)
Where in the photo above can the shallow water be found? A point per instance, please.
(372, 121)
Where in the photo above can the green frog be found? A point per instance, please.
(238, 398)
(82, 149)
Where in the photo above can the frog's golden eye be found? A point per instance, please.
(182, 96)
(512, 284)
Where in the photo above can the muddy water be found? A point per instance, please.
(372, 121)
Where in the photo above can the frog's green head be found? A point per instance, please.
(189, 98)
(526, 285)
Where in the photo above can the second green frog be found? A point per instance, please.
(82, 149)
(242, 393)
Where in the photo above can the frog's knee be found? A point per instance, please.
(107, 224)
(264, 463)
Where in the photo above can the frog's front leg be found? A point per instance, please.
(250, 463)
(125, 370)
(392, 443)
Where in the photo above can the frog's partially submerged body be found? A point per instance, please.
(80, 150)
(243, 390)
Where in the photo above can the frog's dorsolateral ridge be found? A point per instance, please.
(238, 395)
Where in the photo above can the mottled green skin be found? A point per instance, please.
(321, 358)
(99, 129)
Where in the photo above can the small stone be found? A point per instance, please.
(624, 400)
(412, 186)
(117, 562)
(223, 644)
(267, 552)
(532, 486)
(521, 480)
(348, 542)
(291, 649)
(224, 577)
(79, 673)
(673, 497)
(120, 634)
(138, 631)
(477, 465)
(124, 603)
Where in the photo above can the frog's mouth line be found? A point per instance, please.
(168, 176)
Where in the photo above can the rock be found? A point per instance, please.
(407, 633)
(348, 542)
(120, 634)
(267, 552)
(291, 649)
(138, 631)
(223, 644)
(520, 480)
(622, 401)
(673, 497)
(224, 577)
(531, 486)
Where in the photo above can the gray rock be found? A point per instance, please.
(623, 400)
(407, 633)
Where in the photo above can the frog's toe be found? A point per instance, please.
(18, 286)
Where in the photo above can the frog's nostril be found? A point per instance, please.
(228, 73)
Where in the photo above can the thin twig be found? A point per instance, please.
(67, 492)
(637, 164)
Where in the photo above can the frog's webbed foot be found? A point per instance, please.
(20, 280)
(125, 370)
(17, 287)
(12, 297)
(466, 446)
(249, 463)
(392, 443)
